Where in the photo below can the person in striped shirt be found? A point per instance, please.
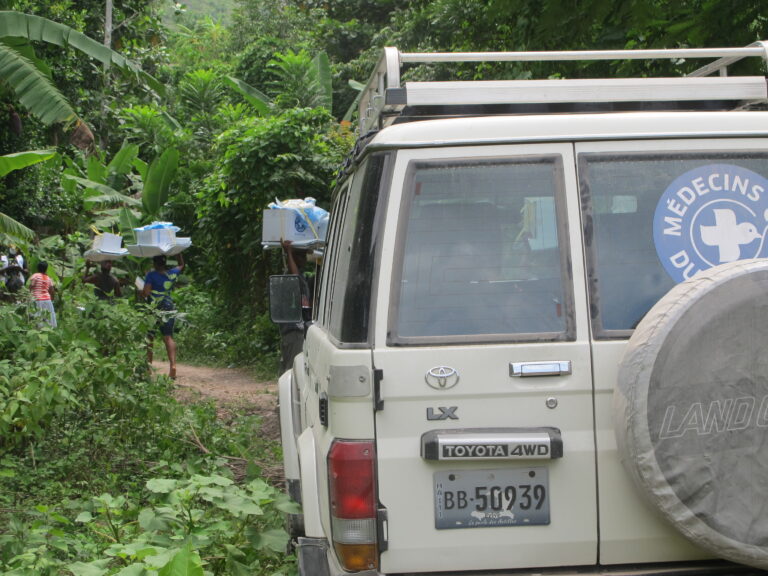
(41, 286)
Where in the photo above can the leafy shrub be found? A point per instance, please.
(210, 333)
(294, 154)
(197, 521)
(103, 472)
(96, 358)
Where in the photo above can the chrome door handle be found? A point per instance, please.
(553, 368)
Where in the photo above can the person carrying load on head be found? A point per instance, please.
(106, 285)
(158, 284)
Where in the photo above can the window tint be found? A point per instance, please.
(349, 270)
(480, 253)
(620, 198)
(330, 257)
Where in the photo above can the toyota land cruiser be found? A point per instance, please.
(538, 339)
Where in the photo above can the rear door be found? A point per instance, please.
(658, 212)
(485, 441)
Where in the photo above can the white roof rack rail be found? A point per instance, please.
(384, 97)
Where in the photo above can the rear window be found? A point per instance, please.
(655, 219)
(481, 253)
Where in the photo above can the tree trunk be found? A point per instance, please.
(103, 133)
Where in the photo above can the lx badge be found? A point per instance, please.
(446, 413)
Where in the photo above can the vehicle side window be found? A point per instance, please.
(348, 273)
(623, 195)
(330, 256)
(482, 253)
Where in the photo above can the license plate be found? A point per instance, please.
(490, 498)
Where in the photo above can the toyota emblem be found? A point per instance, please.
(442, 377)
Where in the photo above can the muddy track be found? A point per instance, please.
(235, 392)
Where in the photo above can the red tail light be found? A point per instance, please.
(353, 503)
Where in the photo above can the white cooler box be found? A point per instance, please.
(287, 224)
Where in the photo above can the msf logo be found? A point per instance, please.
(443, 413)
(728, 235)
(711, 215)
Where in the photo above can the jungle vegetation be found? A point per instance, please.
(115, 114)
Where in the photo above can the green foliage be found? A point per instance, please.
(254, 97)
(35, 28)
(197, 10)
(201, 93)
(186, 525)
(149, 127)
(11, 162)
(15, 231)
(211, 335)
(301, 81)
(101, 470)
(464, 25)
(160, 175)
(251, 66)
(284, 19)
(49, 372)
(33, 89)
(290, 155)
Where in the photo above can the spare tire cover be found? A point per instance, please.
(691, 409)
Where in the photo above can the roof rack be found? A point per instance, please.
(384, 98)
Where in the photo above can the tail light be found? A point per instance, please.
(353, 503)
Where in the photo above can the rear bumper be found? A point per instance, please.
(312, 556)
(315, 559)
(708, 568)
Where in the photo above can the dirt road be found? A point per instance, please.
(229, 388)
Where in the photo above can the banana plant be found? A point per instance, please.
(157, 183)
(15, 232)
(260, 101)
(127, 191)
(301, 81)
(29, 78)
(104, 185)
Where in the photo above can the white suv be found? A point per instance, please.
(519, 357)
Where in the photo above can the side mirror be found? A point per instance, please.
(285, 299)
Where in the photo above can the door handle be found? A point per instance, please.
(552, 368)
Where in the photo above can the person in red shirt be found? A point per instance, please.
(41, 286)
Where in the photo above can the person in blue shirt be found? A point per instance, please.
(158, 284)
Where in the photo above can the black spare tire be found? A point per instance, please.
(691, 409)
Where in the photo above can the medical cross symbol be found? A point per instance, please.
(728, 235)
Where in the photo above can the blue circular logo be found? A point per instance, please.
(708, 216)
(300, 224)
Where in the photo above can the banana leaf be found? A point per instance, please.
(101, 193)
(14, 229)
(160, 175)
(11, 162)
(34, 89)
(254, 97)
(36, 28)
(325, 81)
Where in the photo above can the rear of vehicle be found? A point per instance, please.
(452, 410)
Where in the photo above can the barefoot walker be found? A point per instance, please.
(157, 287)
